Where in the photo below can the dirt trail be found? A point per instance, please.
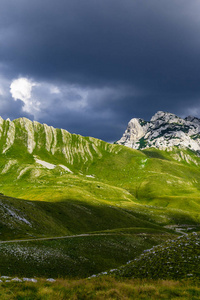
(57, 237)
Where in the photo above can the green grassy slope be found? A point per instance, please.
(53, 183)
(91, 185)
(22, 218)
(80, 256)
(175, 259)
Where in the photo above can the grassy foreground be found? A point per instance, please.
(100, 288)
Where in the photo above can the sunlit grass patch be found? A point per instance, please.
(103, 287)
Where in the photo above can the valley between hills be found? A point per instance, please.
(77, 207)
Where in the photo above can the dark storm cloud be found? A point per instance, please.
(133, 57)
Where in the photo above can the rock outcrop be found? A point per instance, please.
(25, 136)
(163, 131)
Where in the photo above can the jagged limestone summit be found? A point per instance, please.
(164, 131)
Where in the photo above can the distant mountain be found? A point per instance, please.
(163, 131)
(37, 139)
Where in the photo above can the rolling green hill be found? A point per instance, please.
(54, 184)
(175, 259)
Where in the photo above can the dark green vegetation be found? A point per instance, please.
(100, 288)
(58, 184)
(174, 259)
(79, 256)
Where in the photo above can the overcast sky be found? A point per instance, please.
(90, 66)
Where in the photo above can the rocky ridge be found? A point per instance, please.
(30, 149)
(34, 137)
(164, 131)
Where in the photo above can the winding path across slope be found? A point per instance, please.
(58, 237)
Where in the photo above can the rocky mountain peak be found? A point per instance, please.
(192, 119)
(136, 129)
(165, 117)
(164, 131)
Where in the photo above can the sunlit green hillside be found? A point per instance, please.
(56, 184)
(79, 178)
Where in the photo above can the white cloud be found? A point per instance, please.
(21, 89)
(54, 90)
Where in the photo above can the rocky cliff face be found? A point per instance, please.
(35, 139)
(163, 131)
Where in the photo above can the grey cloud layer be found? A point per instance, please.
(133, 58)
